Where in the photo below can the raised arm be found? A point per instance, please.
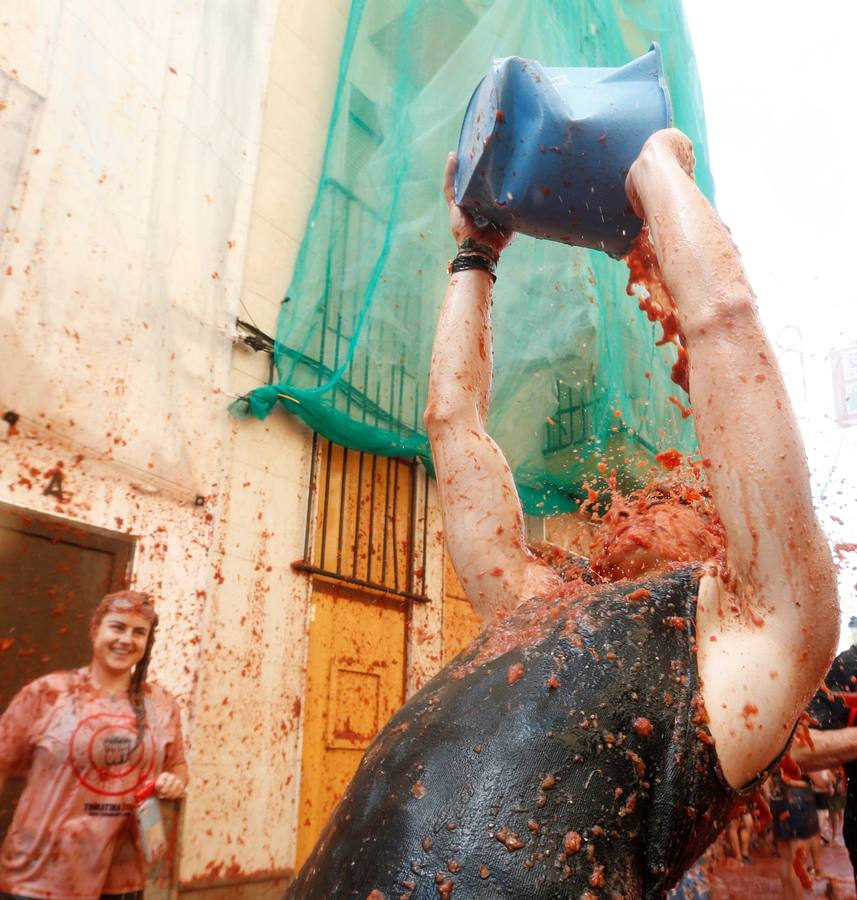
(765, 644)
(482, 516)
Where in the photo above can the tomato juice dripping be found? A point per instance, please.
(668, 502)
(515, 673)
(658, 305)
(642, 726)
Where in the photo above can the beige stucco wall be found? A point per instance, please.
(126, 169)
(130, 147)
(171, 556)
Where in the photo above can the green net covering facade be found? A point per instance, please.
(572, 350)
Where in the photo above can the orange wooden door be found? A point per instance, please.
(355, 682)
(358, 632)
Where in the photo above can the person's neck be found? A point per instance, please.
(109, 681)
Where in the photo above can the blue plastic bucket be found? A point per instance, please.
(545, 151)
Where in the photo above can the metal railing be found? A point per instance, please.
(374, 387)
(573, 422)
(367, 523)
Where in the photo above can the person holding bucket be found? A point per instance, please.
(87, 742)
(594, 738)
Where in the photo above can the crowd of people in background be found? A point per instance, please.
(791, 819)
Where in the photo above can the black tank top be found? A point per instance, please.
(563, 754)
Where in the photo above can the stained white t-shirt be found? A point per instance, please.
(73, 832)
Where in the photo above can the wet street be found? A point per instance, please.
(760, 880)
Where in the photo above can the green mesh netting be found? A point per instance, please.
(354, 338)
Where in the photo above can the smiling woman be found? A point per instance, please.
(87, 741)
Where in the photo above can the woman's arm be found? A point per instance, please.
(16, 725)
(830, 749)
(482, 518)
(756, 464)
(762, 657)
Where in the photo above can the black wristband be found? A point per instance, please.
(469, 245)
(465, 261)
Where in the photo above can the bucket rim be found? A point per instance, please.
(662, 81)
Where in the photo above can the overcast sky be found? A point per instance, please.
(778, 82)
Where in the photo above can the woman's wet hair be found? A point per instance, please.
(700, 542)
(140, 604)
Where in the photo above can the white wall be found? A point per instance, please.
(129, 148)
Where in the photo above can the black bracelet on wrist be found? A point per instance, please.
(469, 245)
(465, 261)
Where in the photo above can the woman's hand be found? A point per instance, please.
(461, 222)
(169, 786)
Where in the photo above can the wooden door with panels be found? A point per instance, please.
(365, 551)
(53, 573)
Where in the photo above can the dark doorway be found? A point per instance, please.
(53, 572)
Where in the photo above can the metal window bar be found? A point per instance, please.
(421, 569)
(360, 398)
(366, 380)
(342, 505)
(344, 533)
(393, 518)
(370, 546)
(386, 520)
(572, 423)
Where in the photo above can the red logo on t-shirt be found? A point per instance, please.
(105, 756)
